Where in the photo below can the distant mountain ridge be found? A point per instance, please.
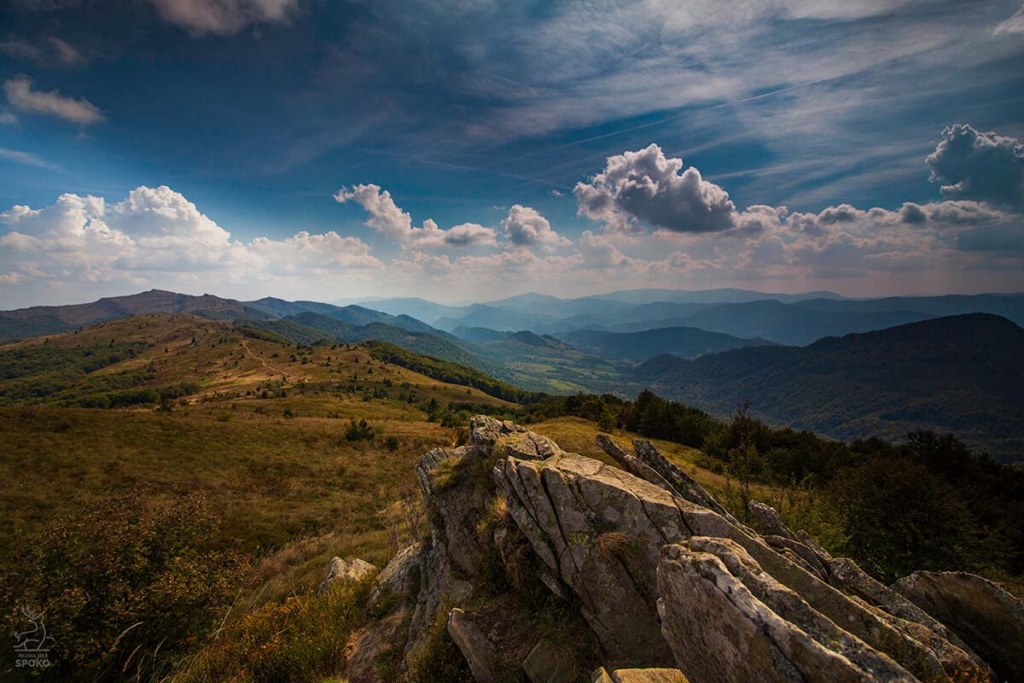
(39, 320)
(961, 374)
(685, 342)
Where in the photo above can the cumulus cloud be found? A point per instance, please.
(157, 231)
(647, 188)
(22, 97)
(971, 164)
(387, 218)
(526, 227)
(222, 17)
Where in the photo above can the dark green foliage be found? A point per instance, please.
(901, 518)
(119, 582)
(960, 374)
(451, 373)
(359, 431)
(41, 371)
(686, 342)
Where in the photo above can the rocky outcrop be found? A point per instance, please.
(471, 641)
(666, 579)
(984, 615)
(342, 570)
(400, 575)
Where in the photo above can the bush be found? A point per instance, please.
(359, 431)
(125, 586)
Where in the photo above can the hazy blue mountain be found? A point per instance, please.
(1010, 306)
(661, 310)
(478, 334)
(962, 374)
(501, 319)
(421, 309)
(686, 342)
(544, 305)
(707, 296)
(793, 323)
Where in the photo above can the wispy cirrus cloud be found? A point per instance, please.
(23, 97)
(26, 159)
(51, 52)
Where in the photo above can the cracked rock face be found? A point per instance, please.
(984, 615)
(599, 530)
(666, 577)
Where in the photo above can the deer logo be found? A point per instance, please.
(35, 638)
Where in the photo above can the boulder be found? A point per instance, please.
(473, 644)
(548, 664)
(400, 574)
(989, 619)
(340, 570)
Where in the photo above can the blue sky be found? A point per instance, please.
(466, 150)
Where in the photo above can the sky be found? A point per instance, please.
(463, 150)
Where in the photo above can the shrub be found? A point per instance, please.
(124, 585)
(359, 431)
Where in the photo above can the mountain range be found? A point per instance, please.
(869, 367)
(961, 374)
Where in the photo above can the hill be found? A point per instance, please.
(686, 342)
(961, 374)
(792, 323)
(322, 328)
(478, 333)
(1010, 306)
(25, 323)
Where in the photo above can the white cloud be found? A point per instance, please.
(22, 97)
(647, 188)
(157, 235)
(387, 218)
(7, 118)
(223, 17)
(977, 165)
(525, 227)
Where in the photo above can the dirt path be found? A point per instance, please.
(266, 365)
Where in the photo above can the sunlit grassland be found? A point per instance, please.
(263, 439)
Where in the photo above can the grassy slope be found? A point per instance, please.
(273, 479)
